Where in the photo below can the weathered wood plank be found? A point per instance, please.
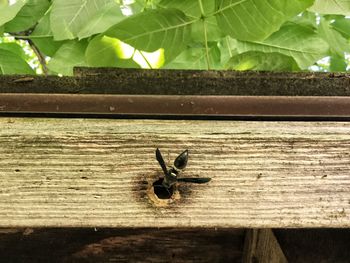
(261, 246)
(93, 172)
(182, 82)
(206, 245)
(121, 245)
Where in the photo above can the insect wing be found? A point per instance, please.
(181, 161)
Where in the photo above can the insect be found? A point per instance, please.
(171, 175)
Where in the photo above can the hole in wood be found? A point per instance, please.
(160, 191)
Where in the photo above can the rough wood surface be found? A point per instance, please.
(315, 245)
(121, 245)
(261, 246)
(182, 82)
(205, 245)
(91, 172)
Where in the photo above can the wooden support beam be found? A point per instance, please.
(182, 82)
(261, 246)
(160, 106)
(121, 245)
(96, 173)
(180, 245)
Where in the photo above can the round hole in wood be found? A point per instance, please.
(160, 191)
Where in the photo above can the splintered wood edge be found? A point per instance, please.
(99, 173)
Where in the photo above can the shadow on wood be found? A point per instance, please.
(261, 246)
(121, 245)
(315, 245)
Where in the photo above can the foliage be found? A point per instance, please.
(278, 35)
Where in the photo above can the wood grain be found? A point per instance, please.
(98, 173)
(261, 246)
(122, 245)
(315, 245)
(182, 82)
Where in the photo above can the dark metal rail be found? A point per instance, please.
(172, 105)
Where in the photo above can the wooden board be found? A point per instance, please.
(121, 245)
(182, 82)
(174, 245)
(261, 246)
(98, 173)
(315, 245)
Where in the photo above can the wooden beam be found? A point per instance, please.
(261, 246)
(160, 106)
(95, 173)
(121, 245)
(182, 82)
(314, 245)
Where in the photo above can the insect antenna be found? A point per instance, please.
(161, 162)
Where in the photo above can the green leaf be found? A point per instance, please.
(14, 48)
(71, 19)
(262, 61)
(252, 20)
(307, 19)
(337, 64)
(106, 17)
(213, 31)
(191, 8)
(104, 51)
(28, 16)
(138, 5)
(168, 29)
(11, 63)
(299, 42)
(69, 55)
(228, 49)
(340, 7)
(342, 25)
(8, 12)
(337, 43)
(43, 38)
(195, 58)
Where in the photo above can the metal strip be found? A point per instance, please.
(165, 105)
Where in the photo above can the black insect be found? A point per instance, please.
(171, 175)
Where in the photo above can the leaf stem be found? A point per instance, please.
(206, 44)
(150, 66)
(228, 46)
(201, 8)
(203, 18)
(40, 56)
(25, 35)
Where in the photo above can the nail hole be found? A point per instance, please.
(160, 191)
(17, 170)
